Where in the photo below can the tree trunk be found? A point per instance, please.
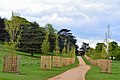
(31, 54)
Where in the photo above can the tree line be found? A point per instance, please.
(31, 37)
(100, 51)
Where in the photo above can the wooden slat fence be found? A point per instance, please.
(57, 61)
(11, 63)
(104, 64)
(46, 62)
(68, 61)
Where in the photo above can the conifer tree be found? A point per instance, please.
(56, 50)
(32, 39)
(72, 52)
(45, 44)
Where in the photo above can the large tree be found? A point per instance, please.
(14, 29)
(101, 50)
(32, 38)
(3, 33)
(114, 49)
(66, 36)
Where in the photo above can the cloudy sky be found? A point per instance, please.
(88, 19)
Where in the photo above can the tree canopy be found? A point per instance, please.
(100, 51)
(31, 37)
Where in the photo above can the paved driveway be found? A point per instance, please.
(77, 73)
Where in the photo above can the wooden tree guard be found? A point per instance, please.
(67, 61)
(57, 61)
(46, 62)
(11, 63)
(70, 60)
(105, 65)
(64, 62)
(73, 60)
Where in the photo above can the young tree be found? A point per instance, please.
(64, 49)
(14, 29)
(90, 52)
(56, 50)
(52, 36)
(46, 44)
(100, 51)
(72, 52)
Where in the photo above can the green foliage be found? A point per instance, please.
(56, 50)
(68, 48)
(66, 39)
(32, 39)
(45, 44)
(95, 73)
(30, 68)
(91, 53)
(72, 52)
(11, 47)
(100, 51)
(112, 46)
(117, 55)
(3, 33)
(52, 36)
(64, 49)
(103, 53)
(114, 50)
(99, 47)
(50, 28)
(14, 29)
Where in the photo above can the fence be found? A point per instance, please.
(67, 61)
(11, 63)
(57, 61)
(70, 60)
(45, 62)
(64, 62)
(104, 64)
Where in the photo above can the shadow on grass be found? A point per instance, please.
(28, 55)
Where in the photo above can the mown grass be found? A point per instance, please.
(29, 67)
(95, 73)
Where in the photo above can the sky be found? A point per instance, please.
(87, 19)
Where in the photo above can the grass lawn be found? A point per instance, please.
(95, 73)
(29, 68)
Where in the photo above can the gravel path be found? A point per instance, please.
(77, 73)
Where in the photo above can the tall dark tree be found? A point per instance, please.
(32, 38)
(64, 34)
(84, 48)
(3, 33)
